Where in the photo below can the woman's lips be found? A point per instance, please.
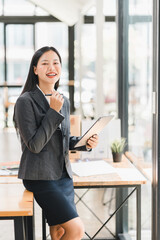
(51, 75)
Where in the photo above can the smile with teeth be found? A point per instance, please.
(53, 74)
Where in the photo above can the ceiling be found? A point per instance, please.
(67, 11)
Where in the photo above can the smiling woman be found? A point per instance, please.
(44, 128)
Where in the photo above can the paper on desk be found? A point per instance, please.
(5, 172)
(90, 168)
(129, 174)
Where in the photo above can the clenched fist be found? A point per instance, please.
(56, 101)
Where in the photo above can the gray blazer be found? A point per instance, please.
(45, 146)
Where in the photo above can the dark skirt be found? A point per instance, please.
(55, 197)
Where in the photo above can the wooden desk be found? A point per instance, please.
(144, 167)
(17, 203)
(126, 176)
(15, 200)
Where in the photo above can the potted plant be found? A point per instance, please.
(117, 148)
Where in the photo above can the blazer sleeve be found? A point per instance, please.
(73, 141)
(35, 137)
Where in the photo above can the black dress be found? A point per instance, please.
(55, 197)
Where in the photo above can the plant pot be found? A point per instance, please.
(117, 157)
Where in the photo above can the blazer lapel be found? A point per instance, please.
(40, 99)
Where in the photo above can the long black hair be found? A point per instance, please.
(32, 78)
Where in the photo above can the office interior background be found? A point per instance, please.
(107, 68)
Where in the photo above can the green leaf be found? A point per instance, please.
(118, 145)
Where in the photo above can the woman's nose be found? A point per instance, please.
(51, 67)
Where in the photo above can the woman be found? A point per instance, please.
(43, 123)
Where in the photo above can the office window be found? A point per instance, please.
(140, 99)
(18, 7)
(19, 43)
(110, 73)
(140, 7)
(88, 82)
(140, 88)
(1, 73)
(1, 53)
(1, 109)
(88, 57)
(1, 7)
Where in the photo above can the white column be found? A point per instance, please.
(79, 57)
(99, 21)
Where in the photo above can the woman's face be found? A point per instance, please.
(48, 68)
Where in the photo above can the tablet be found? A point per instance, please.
(96, 128)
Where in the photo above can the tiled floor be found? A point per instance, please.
(10, 151)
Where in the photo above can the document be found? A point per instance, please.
(129, 174)
(90, 168)
(5, 172)
(96, 128)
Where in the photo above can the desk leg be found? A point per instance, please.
(138, 193)
(19, 229)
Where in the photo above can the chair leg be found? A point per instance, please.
(43, 226)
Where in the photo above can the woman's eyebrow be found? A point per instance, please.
(45, 60)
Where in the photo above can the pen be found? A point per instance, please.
(50, 94)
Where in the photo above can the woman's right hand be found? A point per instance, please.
(56, 101)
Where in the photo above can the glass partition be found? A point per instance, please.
(1, 7)
(140, 7)
(140, 103)
(2, 53)
(140, 79)
(88, 56)
(110, 70)
(140, 88)
(1, 73)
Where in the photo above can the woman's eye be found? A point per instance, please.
(44, 63)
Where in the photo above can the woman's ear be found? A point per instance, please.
(35, 70)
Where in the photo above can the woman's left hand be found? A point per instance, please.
(92, 141)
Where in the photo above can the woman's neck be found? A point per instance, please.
(46, 89)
